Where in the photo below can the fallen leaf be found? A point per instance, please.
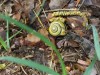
(52, 39)
(32, 39)
(79, 32)
(82, 62)
(17, 16)
(77, 3)
(76, 24)
(80, 67)
(61, 43)
(75, 72)
(72, 43)
(68, 68)
(44, 32)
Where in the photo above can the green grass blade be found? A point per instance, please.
(89, 69)
(29, 63)
(13, 35)
(97, 48)
(43, 38)
(96, 41)
(3, 43)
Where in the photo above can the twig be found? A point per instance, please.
(3, 3)
(39, 20)
(24, 70)
(28, 56)
(9, 64)
(44, 12)
(14, 34)
(81, 4)
(42, 5)
(47, 11)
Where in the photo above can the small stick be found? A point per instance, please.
(47, 11)
(24, 70)
(42, 5)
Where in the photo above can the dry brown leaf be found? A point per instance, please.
(65, 43)
(73, 43)
(75, 72)
(77, 25)
(52, 39)
(32, 39)
(43, 31)
(79, 32)
(88, 61)
(17, 16)
(68, 68)
(61, 43)
(74, 22)
(78, 1)
(82, 62)
(80, 67)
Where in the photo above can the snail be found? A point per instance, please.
(57, 27)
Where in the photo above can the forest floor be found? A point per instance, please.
(76, 46)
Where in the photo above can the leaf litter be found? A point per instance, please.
(76, 47)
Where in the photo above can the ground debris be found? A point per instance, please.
(76, 46)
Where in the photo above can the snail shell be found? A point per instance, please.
(57, 28)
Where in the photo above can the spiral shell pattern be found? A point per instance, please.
(57, 28)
